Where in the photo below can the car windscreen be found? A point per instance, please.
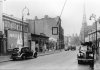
(83, 48)
(16, 49)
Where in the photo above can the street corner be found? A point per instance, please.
(97, 66)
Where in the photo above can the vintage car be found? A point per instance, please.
(73, 47)
(23, 53)
(85, 54)
(66, 48)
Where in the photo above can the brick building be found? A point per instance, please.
(12, 36)
(44, 27)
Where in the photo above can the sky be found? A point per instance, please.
(71, 17)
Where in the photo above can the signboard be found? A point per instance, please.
(54, 30)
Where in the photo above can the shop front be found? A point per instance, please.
(14, 39)
(41, 41)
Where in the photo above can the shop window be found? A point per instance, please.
(15, 26)
(11, 25)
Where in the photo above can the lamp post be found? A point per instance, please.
(94, 17)
(23, 24)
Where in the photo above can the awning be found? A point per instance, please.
(52, 39)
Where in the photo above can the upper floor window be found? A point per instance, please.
(13, 25)
(7, 24)
(25, 28)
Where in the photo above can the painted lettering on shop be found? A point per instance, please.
(13, 35)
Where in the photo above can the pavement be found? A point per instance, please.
(7, 58)
(97, 64)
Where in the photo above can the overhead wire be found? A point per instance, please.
(63, 8)
(61, 11)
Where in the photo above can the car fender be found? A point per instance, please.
(21, 54)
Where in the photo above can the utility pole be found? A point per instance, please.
(34, 26)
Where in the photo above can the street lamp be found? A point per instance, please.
(94, 17)
(23, 24)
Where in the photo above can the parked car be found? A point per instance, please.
(85, 54)
(69, 47)
(23, 53)
(66, 48)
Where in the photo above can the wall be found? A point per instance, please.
(1, 23)
(13, 32)
(46, 26)
(43, 25)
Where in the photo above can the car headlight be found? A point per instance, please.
(91, 55)
(81, 54)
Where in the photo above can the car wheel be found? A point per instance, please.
(32, 56)
(35, 55)
(23, 57)
(92, 62)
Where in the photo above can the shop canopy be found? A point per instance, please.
(87, 43)
(52, 39)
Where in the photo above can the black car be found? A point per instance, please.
(85, 54)
(23, 53)
(73, 47)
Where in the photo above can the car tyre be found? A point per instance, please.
(32, 56)
(35, 55)
(23, 57)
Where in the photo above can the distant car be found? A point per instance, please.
(85, 54)
(73, 47)
(66, 48)
(23, 53)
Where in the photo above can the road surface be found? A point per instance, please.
(65, 60)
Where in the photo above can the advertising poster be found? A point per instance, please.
(15, 39)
